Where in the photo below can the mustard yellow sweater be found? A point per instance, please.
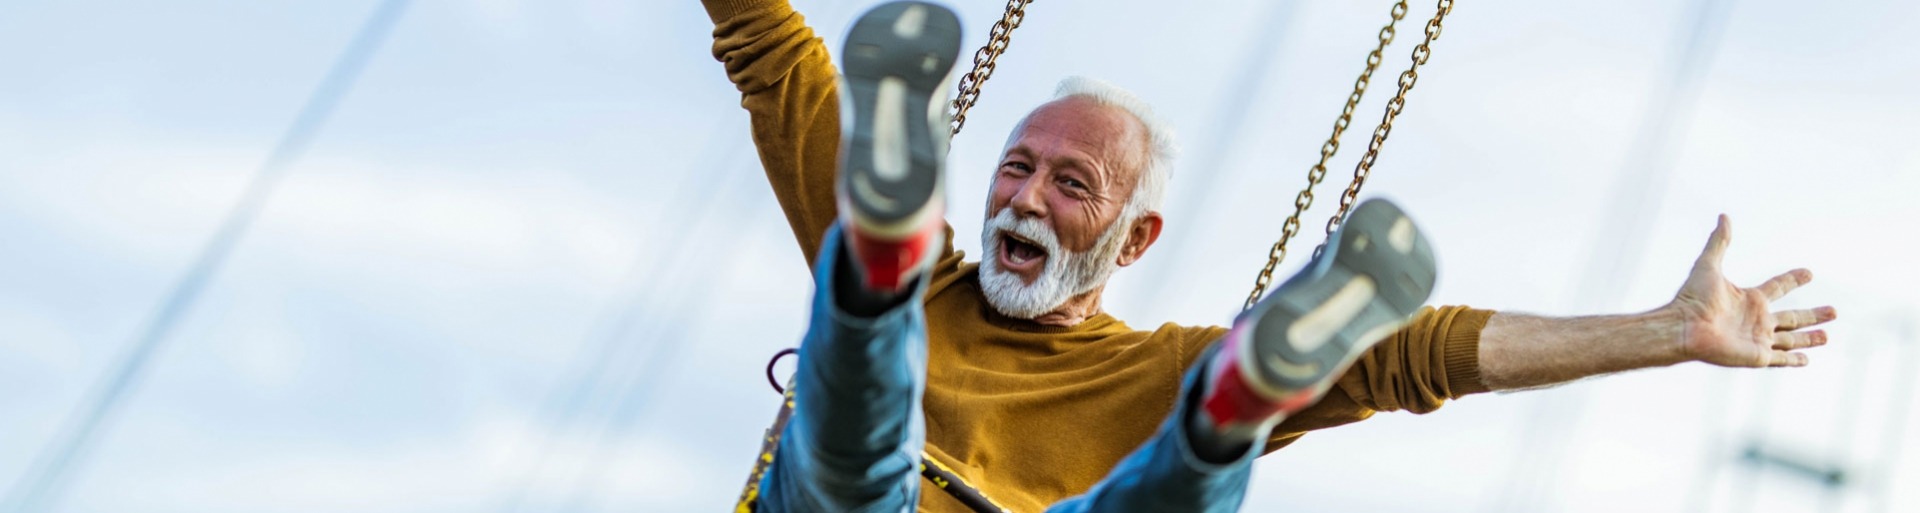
(1033, 414)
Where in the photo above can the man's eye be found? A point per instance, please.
(1018, 167)
(1069, 182)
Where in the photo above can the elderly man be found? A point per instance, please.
(1009, 372)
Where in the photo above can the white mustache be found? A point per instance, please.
(1065, 273)
(1027, 229)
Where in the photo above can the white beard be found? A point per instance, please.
(1067, 274)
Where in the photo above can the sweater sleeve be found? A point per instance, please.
(1436, 357)
(789, 87)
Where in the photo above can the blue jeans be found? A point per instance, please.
(855, 438)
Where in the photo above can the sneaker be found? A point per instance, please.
(893, 150)
(1285, 352)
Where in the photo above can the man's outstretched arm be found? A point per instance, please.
(1450, 352)
(789, 87)
(1710, 320)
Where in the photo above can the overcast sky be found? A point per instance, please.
(530, 264)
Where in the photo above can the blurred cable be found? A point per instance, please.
(1759, 431)
(1895, 429)
(1718, 404)
(1262, 51)
(643, 386)
(1846, 431)
(646, 364)
(39, 488)
(1620, 245)
(1840, 470)
(611, 347)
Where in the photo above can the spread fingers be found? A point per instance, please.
(1789, 320)
(1780, 285)
(1790, 340)
(1786, 359)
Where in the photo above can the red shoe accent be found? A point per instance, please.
(1232, 401)
(888, 265)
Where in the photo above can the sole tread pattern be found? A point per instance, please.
(1378, 272)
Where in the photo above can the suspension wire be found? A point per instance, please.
(40, 487)
(607, 348)
(1719, 403)
(1846, 430)
(644, 385)
(1759, 429)
(1229, 123)
(583, 488)
(1620, 245)
(632, 389)
(1892, 432)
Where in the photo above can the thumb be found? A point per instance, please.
(1716, 249)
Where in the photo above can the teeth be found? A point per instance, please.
(1019, 251)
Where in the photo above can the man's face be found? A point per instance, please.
(1053, 227)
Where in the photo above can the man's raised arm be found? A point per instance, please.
(788, 86)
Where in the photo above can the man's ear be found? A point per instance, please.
(1140, 236)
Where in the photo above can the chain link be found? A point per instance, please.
(1399, 101)
(1304, 199)
(1000, 36)
(984, 60)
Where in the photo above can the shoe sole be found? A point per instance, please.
(894, 64)
(1357, 293)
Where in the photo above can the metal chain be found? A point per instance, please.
(983, 64)
(984, 60)
(1407, 79)
(1304, 199)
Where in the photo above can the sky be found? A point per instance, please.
(530, 263)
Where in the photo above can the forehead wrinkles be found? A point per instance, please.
(1107, 133)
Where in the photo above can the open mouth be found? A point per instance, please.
(1020, 255)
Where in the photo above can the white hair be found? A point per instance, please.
(1151, 188)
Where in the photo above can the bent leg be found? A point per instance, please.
(1166, 474)
(854, 442)
(1281, 356)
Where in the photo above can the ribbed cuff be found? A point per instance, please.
(723, 10)
(1462, 352)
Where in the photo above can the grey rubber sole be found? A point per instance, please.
(1360, 290)
(894, 64)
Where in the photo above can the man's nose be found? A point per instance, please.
(1030, 199)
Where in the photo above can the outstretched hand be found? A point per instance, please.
(1730, 326)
